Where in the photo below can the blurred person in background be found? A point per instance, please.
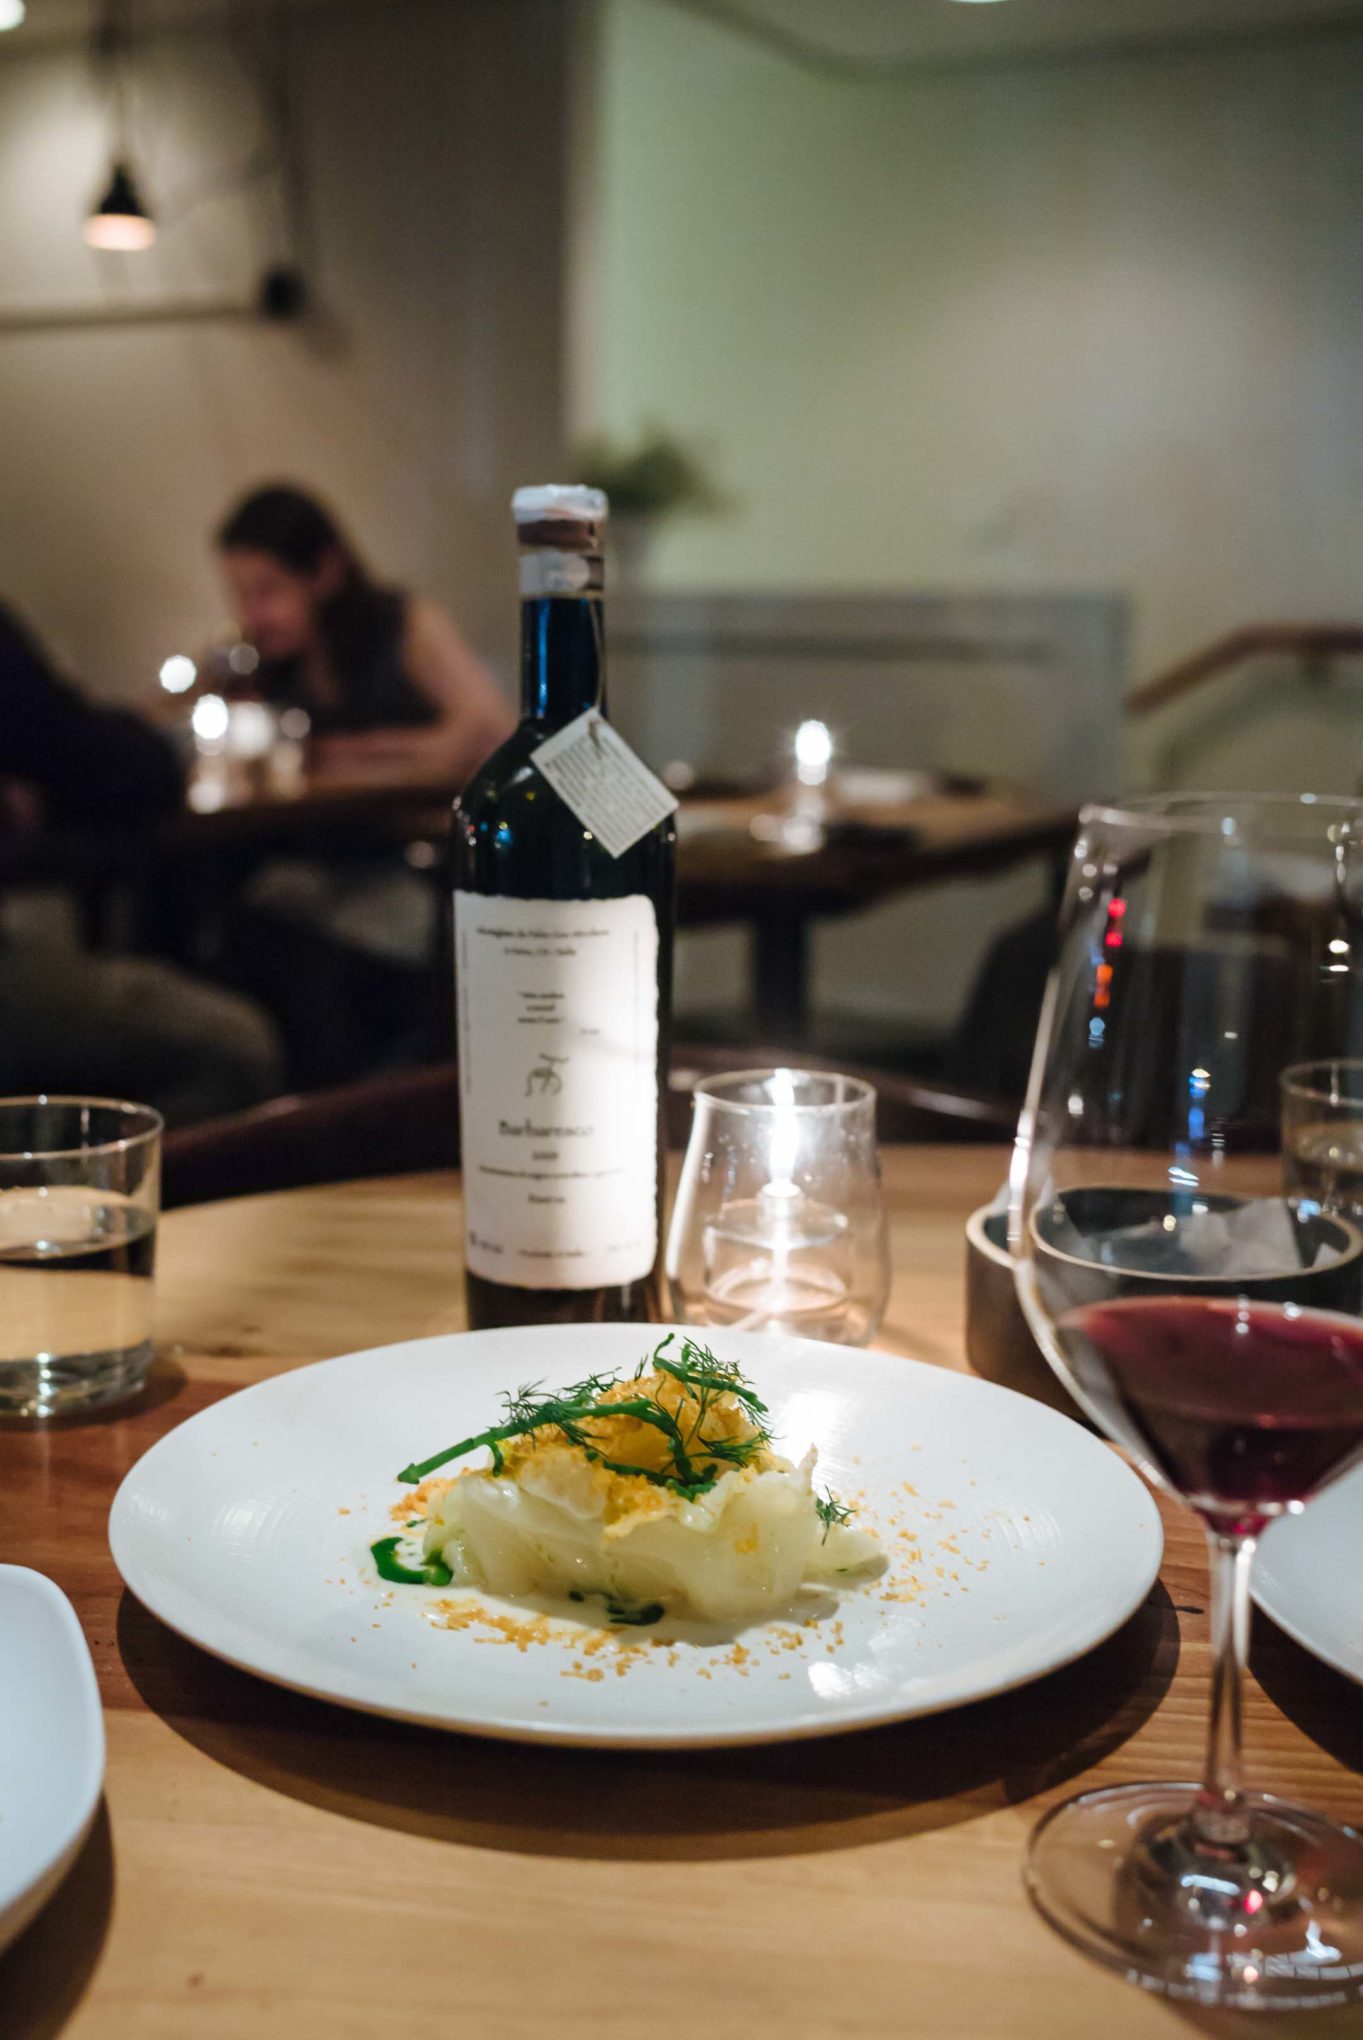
(119, 1025)
(344, 949)
(382, 674)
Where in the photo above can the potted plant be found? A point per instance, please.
(654, 477)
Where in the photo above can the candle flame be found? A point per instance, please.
(813, 752)
(784, 1128)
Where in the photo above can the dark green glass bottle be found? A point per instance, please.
(563, 962)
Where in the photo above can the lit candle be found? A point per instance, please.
(780, 1196)
(785, 1132)
(813, 753)
(800, 829)
(778, 1223)
(785, 1284)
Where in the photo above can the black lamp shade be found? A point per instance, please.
(121, 220)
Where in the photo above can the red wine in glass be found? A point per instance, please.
(1195, 1280)
(1245, 1407)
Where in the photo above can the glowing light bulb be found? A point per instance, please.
(11, 14)
(178, 673)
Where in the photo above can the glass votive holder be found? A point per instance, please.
(779, 1221)
(1322, 1136)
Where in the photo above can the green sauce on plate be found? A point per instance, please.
(433, 1573)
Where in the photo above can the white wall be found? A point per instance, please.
(1084, 323)
(1076, 323)
(428, 384)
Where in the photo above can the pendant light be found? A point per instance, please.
(121, 218)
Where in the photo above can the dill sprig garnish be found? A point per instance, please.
(696, 1456)
(830, 1511)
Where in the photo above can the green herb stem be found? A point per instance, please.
(697, 1372)
(830, 1511)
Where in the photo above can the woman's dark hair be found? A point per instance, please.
(299, 532)
(293, 527)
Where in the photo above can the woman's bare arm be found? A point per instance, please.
(472, 713)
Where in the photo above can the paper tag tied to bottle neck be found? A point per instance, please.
(594, 773)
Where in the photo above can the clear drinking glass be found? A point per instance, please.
(779, 1222)
(1323, 1136)
(1207, 1316)
(80, 1182)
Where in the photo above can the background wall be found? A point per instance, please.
(1079, 322)
(1085, 322)
(1074, 322)
(428, 382)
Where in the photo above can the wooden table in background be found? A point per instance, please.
(726, 875)
(271, 1868)
(154, 888)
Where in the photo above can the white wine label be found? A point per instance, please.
(545, 571)
(594, 772)
(558, 1083)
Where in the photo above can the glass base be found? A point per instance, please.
(52, 1387)
(1275, 1925)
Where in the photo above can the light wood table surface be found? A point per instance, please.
(270, 1868)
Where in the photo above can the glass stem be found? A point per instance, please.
(1220, 1819)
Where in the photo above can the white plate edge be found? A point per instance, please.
(21, 1903)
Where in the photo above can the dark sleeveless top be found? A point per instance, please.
(376, 691)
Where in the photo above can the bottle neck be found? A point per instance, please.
(562, 658)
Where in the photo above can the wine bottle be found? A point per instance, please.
(563, 965)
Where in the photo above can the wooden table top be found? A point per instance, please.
(723, 869)
(724, 872)
(947, 833)
(271, 1866)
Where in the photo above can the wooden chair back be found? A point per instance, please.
(396, 1124)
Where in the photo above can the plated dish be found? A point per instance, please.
(985, 1539)
(655, 1492)
(1304, 1577)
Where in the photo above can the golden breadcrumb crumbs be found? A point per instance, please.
(624, 1497)
(419, 1502)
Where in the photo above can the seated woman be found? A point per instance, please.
(383, 675)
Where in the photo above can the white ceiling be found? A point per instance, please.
(909, 31)
(859, 32)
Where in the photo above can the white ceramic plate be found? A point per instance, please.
(1307, 1578)
(52, 1749)
(248, 1529)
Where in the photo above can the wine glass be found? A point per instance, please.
(1323, 1135)
(1207, 1316)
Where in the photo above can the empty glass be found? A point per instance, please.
(80, 1183)
(779, 1223)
